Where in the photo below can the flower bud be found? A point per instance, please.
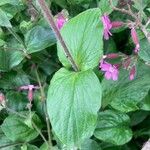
(135, 40)
(117, 24)
(132, 73)
(112, 55)
(2, 100)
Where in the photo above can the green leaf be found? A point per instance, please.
(124, 95)
(145, 103)
(4, 61)
(105, 6)
(15, 128)
(78, 2)
(44, 146)
(61, 3)
(77, 103)
(140, 4)
(12, 10)
(83, 35)
(10, 59)
(12, 2)
(4, 20)
(39, 38)
(144, 50)
(2, 42)
(4, 142)
(138, 117)
(16, 101)
(113, 127)
(90, 144)
(13, 80)
(29, 147)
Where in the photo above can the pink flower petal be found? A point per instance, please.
(132, 73)
(24, 87)
(107, 26)
(134, 36)
(115, 75)
(30, 95)
(108, 75)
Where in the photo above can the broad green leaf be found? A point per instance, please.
(15, 128)
(124, 95)
(39, 38)
(4, 20)
(145, 103)
(16, 101)
(137, 117)
(113, 127)
(13, 80)
(77, 103)
(11, 10)
(10, 59)
(140, 4)
(110, 46)
(90, 144)
(83, 35)
(4, 61)
(5, 143)
(105, 6)
(145, 50)
(61, 3)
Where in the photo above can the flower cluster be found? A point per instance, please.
(112, 71)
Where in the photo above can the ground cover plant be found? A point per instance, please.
(74, 74)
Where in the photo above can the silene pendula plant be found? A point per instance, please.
(89, 84)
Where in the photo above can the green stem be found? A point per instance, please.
(40, 85)
(45, 108)
(10, 145)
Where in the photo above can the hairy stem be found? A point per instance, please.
(49, 17)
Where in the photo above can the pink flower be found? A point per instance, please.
(2, 100)
(30, 89)
(135, 40)
(61, 18)
(107, 26)
(2, 97)
(111, 71)
(132, 73)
